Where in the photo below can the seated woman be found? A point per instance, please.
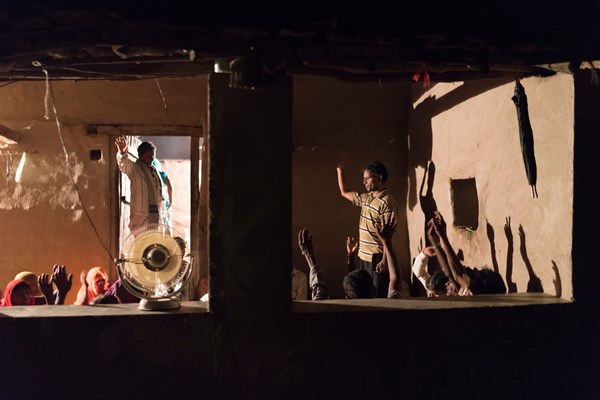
(17, 293)
(462, 281)
(93, 284)
(42, 286)
(37, 294)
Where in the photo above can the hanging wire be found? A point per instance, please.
(47, 96)
(161, 93)
(50, 96)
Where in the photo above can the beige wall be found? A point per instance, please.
(473, 132)
(43, 222)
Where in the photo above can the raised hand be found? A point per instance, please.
(431, 232)
(61, 281)
(439, 224)
(351, 245)
(121, 143)
(429, 251)
(46, 287)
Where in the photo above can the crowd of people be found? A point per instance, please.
(29, 289)
(377, 273)
(151, 198)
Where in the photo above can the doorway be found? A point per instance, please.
(180, 158)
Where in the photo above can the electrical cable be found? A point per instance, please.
(50, 96)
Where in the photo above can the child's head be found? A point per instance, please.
(436, 284)
(358, 284)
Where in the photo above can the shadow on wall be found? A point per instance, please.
(419, 126)
(428, 207)
(420, 134)
(534, 285)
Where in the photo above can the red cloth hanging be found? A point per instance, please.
(421, 73)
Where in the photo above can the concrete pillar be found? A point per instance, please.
(249, 198)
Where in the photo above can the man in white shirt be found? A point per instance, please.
(147, 203)
(436, 284)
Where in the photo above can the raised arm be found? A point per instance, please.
(121, 143)
(83, 290)
(342, 184)
(351, 249)
(384, 233)
(62, 282)
(45, 285)
(123, 161)
(441, 256)
(458, 271)
(419, 267)
(317, 281)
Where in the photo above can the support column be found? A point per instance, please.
(249, 197)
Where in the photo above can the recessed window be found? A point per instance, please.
(465, 204)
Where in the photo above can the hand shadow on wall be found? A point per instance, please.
(557, 282)
(426, 200)
(420, 132)
(429, 207)
(535, 284)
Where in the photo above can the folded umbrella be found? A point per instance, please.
(525, 136)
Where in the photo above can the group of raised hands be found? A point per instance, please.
(56, 285)
(447, 258)
(384, 232)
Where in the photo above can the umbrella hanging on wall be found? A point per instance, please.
(525, 136)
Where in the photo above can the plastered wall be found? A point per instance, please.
(471, 131)
(42, 217)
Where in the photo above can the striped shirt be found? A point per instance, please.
(373, 211)
(146, 188)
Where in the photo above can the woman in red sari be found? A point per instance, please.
(17, 293)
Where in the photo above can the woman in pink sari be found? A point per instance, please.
(93, 284)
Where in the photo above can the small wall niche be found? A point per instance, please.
(465, 203)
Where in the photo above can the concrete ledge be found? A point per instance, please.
(298, 307)
(425, 303)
